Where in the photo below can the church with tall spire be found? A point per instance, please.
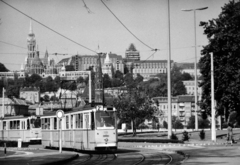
(33, 62)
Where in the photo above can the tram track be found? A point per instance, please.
(142, 157)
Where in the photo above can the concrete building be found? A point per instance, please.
(189, 68)
(132, 54)
(114, 62)
(31, 94)
(150, 68)
(190, 87)
(182, 107)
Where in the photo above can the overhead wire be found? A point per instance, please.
(13, 45)
(48, 27)
(126, 27)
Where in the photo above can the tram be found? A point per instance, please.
(88, 128)
(26, 128)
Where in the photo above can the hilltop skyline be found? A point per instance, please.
(93, 26)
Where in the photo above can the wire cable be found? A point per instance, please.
(49, 27)
(13, 45)
(126, 26)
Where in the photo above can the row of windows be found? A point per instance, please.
(151, 65)
(81, 121)
(166, 106)
(20, 124)
(149, 71)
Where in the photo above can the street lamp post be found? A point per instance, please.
(169, 77)
(195, 63)
(213, 124)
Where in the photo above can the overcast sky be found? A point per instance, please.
(146, 19)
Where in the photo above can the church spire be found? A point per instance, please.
(31, 29)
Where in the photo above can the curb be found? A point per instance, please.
(174, 145)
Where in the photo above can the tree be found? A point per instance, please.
(33, 79)
(176, 123)
(158, 86)
(203, 123)
(12, 91)
(134, 107)
(46, 98)
(119, 75)
(186, 77)
(165, 124)
(191, 122)
(106, 81)
(224, 42)
(3, 68)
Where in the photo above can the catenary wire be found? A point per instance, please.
(48, 27)
(126, 26)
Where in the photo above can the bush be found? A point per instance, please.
(185, 136)
(165, 124)
(202, 134)
(174, 137)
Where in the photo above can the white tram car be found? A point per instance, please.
(28, 129)
(84, 129)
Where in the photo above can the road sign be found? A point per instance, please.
(60, 114)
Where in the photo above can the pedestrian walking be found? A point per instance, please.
(230, 133)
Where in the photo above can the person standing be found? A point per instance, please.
(230, 133)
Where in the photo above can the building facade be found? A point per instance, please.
(31, 94)
(109, 62)
(190, 87)
(189, 68)
(182, 108)
(150, 68)
(13, 107)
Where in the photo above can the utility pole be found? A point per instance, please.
(3, 111)
(169, 77)
(213, 127)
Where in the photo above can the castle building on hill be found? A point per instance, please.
(33, 62)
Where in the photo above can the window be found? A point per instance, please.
(79, 121)
(105, 120)
(67, 122)
(86, 120)
(45, 123)
(55, 123)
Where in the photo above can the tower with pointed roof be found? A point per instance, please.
(33, 62)
(107, 67)
(31, 44)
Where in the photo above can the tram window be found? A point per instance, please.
(92, 120)
(79, 121)
(36, 123)
(86, 121)
(46, 123)
(23, 124)
(5, 125)
(71, 121)
(67, 122)
(55, 123)
(105, 119)
(28, 124)
(18, 124)
(42, 123)
(11, 124)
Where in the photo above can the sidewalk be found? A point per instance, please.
(35, 157)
